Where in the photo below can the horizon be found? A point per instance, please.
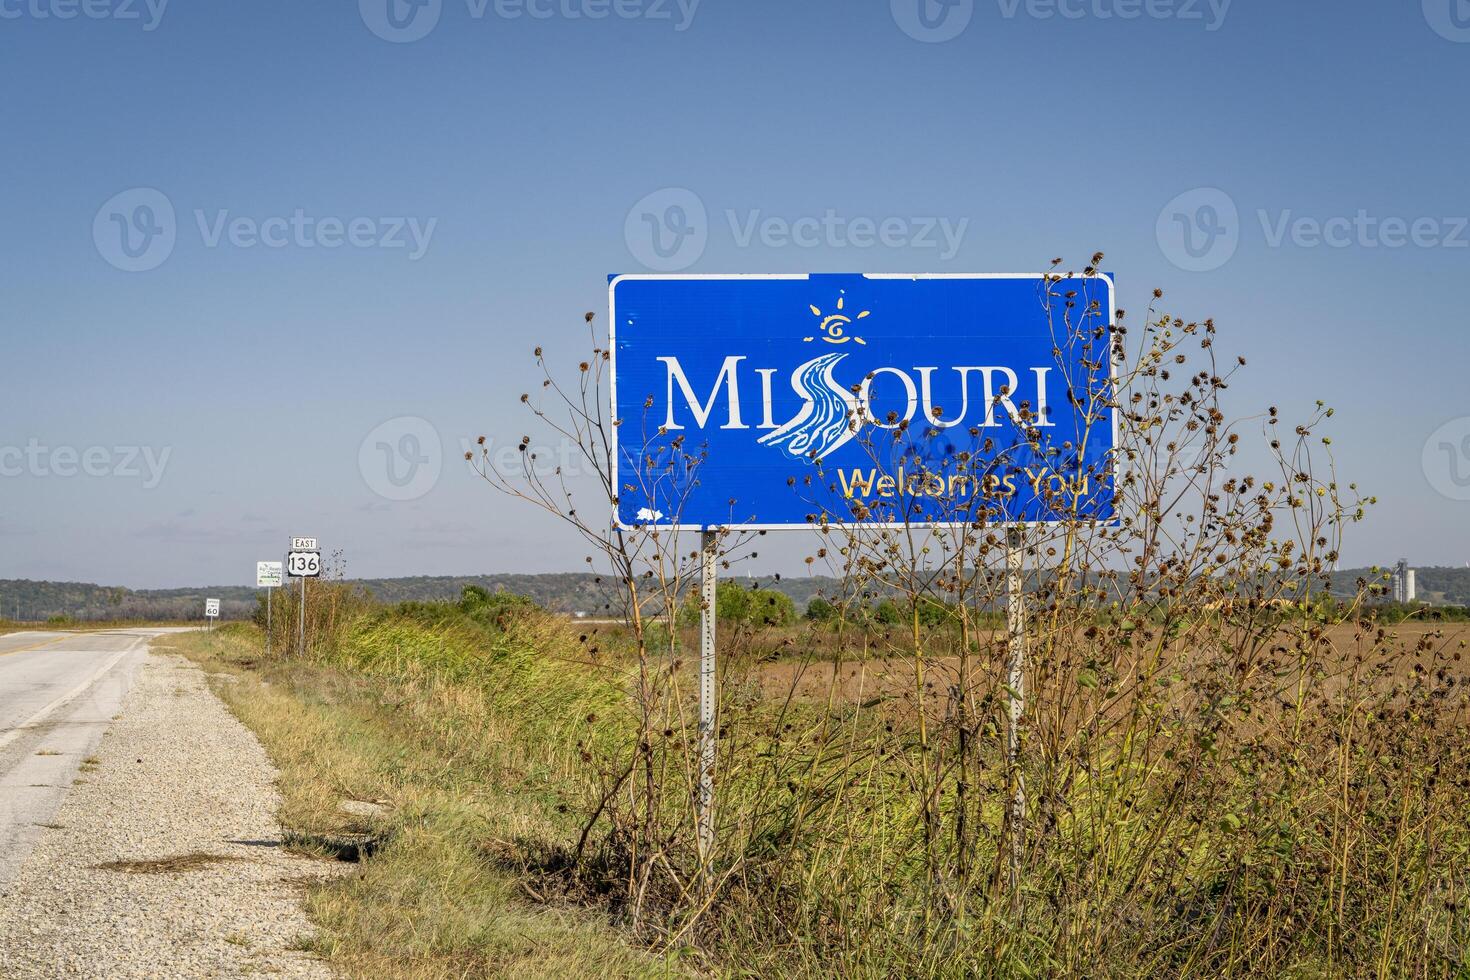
(729, 575)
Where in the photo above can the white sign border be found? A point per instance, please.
(612, 385)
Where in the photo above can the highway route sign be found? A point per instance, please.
(304, 564)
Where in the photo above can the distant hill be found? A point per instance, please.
(29, 601)
(1436, 585)
(569, 592)
(563, 592)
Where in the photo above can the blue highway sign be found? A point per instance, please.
(787, 400)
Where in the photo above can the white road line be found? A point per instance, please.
(81, 688)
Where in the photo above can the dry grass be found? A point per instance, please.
(814, 674)
(431, 901)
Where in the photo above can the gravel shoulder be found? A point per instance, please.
(165, 859)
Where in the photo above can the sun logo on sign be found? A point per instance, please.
(834, 326)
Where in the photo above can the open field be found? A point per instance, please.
(568, 592)
(854, 680)
(1297, 811)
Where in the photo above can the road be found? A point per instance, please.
(58, 693)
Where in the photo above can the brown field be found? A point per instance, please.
(887, 677)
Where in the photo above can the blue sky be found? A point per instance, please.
(479, 181)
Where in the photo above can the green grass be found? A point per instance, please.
(463, 791)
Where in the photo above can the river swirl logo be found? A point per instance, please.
(829, 414)
(827, 418)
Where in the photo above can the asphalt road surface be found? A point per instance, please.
(58, 694)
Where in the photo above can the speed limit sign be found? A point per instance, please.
(304, 564)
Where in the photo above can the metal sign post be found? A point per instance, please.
(1016, 688)
(305, 562)
(708, 541)
(268, 577)
(301, 642)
